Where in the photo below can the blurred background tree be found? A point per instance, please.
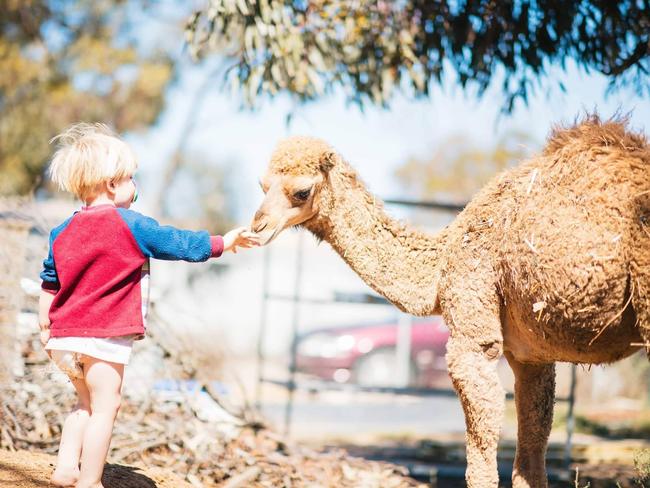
(63, 62)
(202, 193)
(458, 167)
(370, 49)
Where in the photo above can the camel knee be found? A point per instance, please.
(461, 353)
(492, 350)
(474, 376)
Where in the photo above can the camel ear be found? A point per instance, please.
(327, 160)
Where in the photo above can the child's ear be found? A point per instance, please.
(111, 186)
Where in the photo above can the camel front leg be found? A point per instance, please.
(534, 398)
(473, 370)
(471, 308)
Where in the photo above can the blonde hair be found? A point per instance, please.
(87, 156)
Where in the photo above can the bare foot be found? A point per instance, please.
(65, 477)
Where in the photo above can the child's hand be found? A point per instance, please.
(45, 336)
(239, 237)
(44, 303)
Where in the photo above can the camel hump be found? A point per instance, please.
(591, 132)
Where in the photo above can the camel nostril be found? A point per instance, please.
(259, 221)
(260, 227)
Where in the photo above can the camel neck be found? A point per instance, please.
(397, 261)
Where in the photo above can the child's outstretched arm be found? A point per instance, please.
(169, 243)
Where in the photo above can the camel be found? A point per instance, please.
(549, 262)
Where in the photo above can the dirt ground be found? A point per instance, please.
(23, 469)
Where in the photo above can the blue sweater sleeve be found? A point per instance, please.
(48, 275)
(167, 242)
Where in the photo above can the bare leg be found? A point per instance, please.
(104, 381)
(66, 472)
(534, 397)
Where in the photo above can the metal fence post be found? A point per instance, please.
(294, 334)
(403, 349)
(262, 329)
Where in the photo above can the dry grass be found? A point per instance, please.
(642, 465)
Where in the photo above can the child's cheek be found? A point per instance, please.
(126, 196)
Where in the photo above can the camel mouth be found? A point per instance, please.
(269, 240)
(278, 228)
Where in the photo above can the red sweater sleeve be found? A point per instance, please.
(216, 243)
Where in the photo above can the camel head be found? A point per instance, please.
(293, 185)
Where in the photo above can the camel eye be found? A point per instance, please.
(302, 194)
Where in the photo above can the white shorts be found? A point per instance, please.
(67, 352)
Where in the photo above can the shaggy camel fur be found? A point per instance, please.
(549, 262)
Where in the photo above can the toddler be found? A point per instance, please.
(94, 287)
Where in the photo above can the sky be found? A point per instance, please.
(376, 142)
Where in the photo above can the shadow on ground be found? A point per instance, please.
(117, 476)
(442, 464)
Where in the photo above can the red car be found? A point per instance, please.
(365, 354)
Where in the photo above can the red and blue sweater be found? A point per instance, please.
(94, 267)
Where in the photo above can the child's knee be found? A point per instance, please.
(82, 407)
(106, 403)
